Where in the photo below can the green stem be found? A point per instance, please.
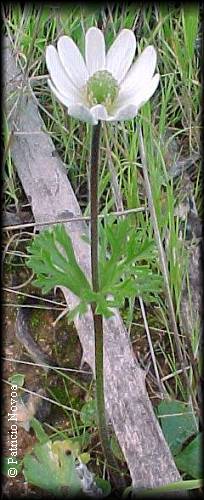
(97, 318)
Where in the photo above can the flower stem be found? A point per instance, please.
(97, 318)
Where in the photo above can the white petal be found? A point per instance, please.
(132, 104)
(95, 50)
(120, 55)
(141, 71)
(143, 95)
(82, 113)
(57, 73)
(137, 94)
(72, 61)
(99, 112)
(66, 100)
(125, 113)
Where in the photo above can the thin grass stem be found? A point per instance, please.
(163, 265)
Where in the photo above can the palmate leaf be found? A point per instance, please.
(125, 255)
(119, 272)
(144, 287)
(52, 259)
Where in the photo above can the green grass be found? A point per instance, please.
(174, 107)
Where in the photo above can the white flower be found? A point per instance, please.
(103, 86)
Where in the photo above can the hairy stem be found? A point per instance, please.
(97, 318)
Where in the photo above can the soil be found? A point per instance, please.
(61, 342)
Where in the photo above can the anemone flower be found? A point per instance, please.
(102, 87)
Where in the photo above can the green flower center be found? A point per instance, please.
(102, 88)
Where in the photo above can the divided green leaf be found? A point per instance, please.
(124, 266)
(52, 259)
(120, 275)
